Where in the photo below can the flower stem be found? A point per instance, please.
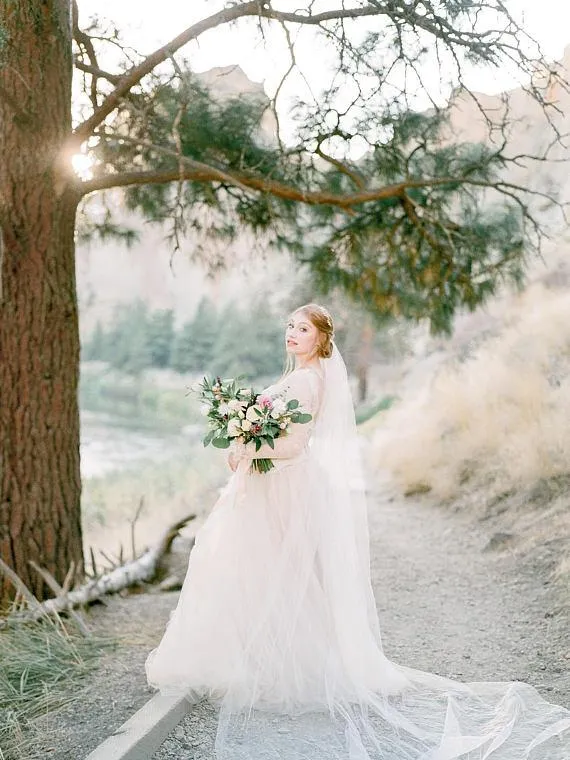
(261, 465)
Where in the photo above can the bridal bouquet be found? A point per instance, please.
(239, 414)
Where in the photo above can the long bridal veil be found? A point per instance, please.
(305, 676)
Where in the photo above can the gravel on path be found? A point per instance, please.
(447, 605)
(118, 687)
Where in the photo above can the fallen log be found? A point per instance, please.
(140, 570)
(62, 591)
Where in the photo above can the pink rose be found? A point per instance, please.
(264, 402)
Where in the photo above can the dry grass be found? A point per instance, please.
(490, 431)
(187, 483)
(503, 412)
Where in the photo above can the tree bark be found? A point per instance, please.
(39, 336)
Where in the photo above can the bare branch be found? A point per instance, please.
(62, 592)
(343, 168)
(254, 8)
(96, 72)
(19, 584)
(84, 41)
(197, 171)
(134, 75)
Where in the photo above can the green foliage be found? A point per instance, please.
(419, 226)
(211, 130)
(427, 251)
(181, 355)
(134, 401)
(229, 342)
(366, 412)
(127, 344)
(250, 342)
(161, 337)
(204, 331)
(96, 346)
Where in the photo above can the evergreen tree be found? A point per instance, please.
(225, 359)
(250, 342)
(263, 343)
(128, 339)
(204, 330)
(182, 348)
(94, 348)
(161, 337)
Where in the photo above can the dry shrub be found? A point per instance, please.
(502, 414)
(187, 483)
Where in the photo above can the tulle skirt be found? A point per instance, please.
(276, 623)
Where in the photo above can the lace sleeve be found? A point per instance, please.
(305, 386)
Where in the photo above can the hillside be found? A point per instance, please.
(481, 421)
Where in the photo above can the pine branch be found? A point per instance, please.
(197, 171)
(86, 43)
(351, 173)
(255, 8)
(96, 72)
(134, 75)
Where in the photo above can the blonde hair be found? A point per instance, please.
(322, 320)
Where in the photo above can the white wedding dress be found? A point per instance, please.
(276, 620)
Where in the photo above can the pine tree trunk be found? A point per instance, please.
(39, 337)
(364, 359)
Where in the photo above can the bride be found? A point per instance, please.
(276, 621)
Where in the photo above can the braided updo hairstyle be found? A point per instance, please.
(322, 320)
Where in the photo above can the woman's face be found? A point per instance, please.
(300, 335)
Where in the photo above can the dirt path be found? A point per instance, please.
(446, 605)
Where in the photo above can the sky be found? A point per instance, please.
(153, 24)
(147, 26)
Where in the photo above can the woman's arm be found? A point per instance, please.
(305, 386)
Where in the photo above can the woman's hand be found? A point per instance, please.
(236, 453)
(233, 460)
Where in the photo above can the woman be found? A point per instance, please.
(277, 623)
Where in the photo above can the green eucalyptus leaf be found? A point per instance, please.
(208, 438)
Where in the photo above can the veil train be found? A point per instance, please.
(297, 665)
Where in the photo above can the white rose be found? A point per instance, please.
(224, 409)
(279, 406)
(283, 425)
(234, 405)
(246, 425)
(233, 428)
(204, 410)
(252, 413)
